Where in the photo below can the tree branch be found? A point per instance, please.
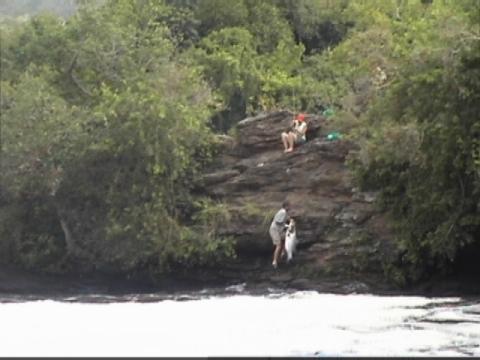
(74, 78)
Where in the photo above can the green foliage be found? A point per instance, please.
(228, 59)
(420, 150)
(317, 24)
(217, 14)
(244, 79)
(253, 210)
(100, 150)
(38, 132)
(24, 44)
(251, 60)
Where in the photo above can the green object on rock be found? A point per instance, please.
(335, 135)
(328, 112)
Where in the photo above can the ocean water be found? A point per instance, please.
(280, 324)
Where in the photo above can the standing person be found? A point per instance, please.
(277, 231)
(297, 135)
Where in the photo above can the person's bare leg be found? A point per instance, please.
(276, 254)
(291, 141)
(283, 252)
(285, 140)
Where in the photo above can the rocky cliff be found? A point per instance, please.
(338, 229)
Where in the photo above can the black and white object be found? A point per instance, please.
(290, 239)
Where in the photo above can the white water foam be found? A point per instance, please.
(303, 323)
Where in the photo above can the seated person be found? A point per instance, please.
(296, 135)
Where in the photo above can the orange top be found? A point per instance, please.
(301, 117)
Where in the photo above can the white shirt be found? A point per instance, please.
(300, 129)
(280, 218)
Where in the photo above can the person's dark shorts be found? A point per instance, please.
(300, 141)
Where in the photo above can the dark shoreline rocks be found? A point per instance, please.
(20, 286)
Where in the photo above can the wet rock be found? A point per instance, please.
(213, 178)
(368, 196)
(356, 287)
(281, 277)
(301, 284)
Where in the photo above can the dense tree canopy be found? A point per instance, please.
(108, 116)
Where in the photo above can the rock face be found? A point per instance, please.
(336, 226)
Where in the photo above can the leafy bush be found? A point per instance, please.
(419, 148)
